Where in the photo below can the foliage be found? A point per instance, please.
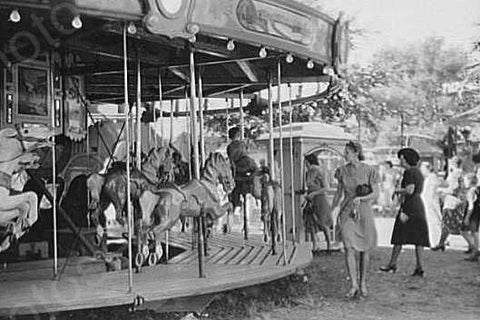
(406, 82)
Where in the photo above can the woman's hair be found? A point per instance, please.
(410, 155)
(312, 159)
(357, 148)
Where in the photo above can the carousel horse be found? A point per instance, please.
(260, 185)
(162, 209)
(112, 186)
(18, 211)
(271, 209)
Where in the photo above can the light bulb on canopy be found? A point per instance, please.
(230, 45)
(310, 64)
(289, 58)
(132, 28)
(77, 22)
(14, 16)
(328, 71)
(263, 52)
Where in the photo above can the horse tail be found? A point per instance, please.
(95, 184)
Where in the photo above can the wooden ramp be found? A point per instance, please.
(231, 263)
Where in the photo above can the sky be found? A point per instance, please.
(393, 22)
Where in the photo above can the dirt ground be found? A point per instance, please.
(449, 290)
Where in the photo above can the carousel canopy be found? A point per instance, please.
(237, 43)
(310, 130)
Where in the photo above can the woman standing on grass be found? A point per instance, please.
(358, 186)
(410, 225)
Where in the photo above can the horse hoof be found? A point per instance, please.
(266, 238)
(99, 255)
(145, 250)
(98, 240)
(152, 259)
(139, 260)
(159, 251)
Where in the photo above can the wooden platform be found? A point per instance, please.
(231, 263)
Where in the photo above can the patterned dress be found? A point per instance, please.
(318, 215)
(357, 231)
(415, 229)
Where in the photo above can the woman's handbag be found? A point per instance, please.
(403, 217)
(363, 189)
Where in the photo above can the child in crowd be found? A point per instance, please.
(471, 218)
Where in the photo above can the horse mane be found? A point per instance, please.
(214, 162)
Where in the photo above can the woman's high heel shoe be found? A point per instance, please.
(438, 247)
(353, 293)
(389, 268)
(418, 272)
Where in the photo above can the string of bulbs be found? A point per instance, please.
(262, 53)
(15, 17)
(77, 23)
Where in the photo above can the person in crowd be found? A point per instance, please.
(389, 180)
(453, 194)
(410, 225)
(317, 216)
(471, 219)
(357, 227)
(431, 202)
(180, 169)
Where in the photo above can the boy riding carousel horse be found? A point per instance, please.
(243, 165)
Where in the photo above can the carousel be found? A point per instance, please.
(62, 169)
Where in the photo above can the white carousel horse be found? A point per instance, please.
(18, 211)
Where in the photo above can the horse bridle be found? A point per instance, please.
(24, 139)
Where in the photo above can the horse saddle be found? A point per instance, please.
(190, 207)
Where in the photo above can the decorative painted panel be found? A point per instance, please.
(268, 19)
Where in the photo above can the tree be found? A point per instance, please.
(406, 81)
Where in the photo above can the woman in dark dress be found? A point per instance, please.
(318, 218)
(410, 225)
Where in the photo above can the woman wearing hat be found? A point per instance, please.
(410, 225)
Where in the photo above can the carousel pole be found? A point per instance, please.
(160, 98)
(138, 115)
(201, 119)
(244, 197)
(292, 177)
(271, 160)
(193, 119)
(280, 140)
(188, 124)
(127, 133)
(54, 193)
(227, 119)
(171, 121)
(193, 116)
(242, 117)
(160, 101)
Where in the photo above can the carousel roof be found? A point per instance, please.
(310, 130)
(228, 38)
